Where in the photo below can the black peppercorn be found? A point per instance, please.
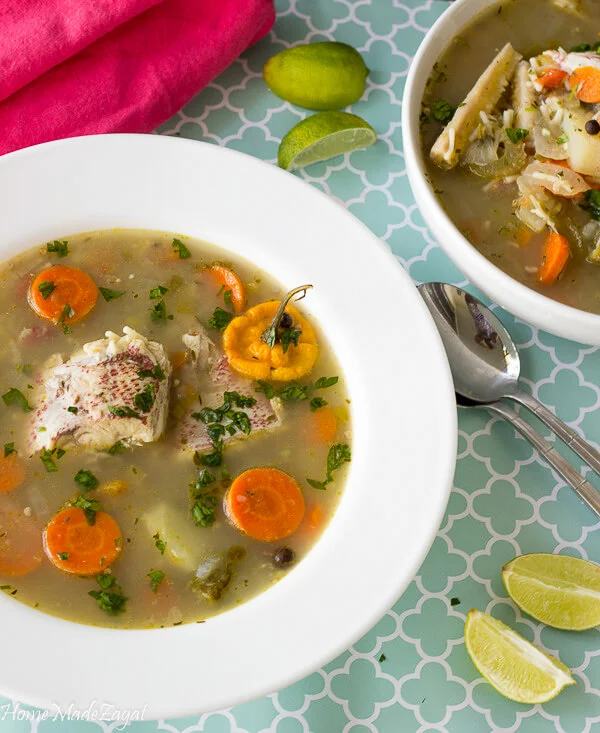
(283, 557)
(592, 127)
(286, 320)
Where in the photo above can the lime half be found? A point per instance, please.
(558, 590)
(517, 669)
(323, 136)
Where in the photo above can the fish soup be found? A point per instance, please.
(510, 130)
(174, 440)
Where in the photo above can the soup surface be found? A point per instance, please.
(176, 466)
(512, 143)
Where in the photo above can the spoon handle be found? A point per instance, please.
(577, 444)
(583, 488)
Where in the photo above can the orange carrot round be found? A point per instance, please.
(586, 83)
(228, 280)
(12, 473)
(75, 546)
(265, 503)
(20, 541)
(554, 258)
(552, 78)
(322, 425)
(55, 288)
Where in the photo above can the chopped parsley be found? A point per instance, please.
(317, 402)
(159, 312)
(442, 110)
(227, 298)
(16, 397)
(89, 507)
(86, 480)
(156, 373)
(123, 411)
(220, 319)
(46, 288)
(61, 248)
(158, 292)
(325, 382)
(156, 578)
(455, 601)
(581, 48)
(118, 447)
(213, 418)
(564, 138)
(47, 460)
(288, 337)
(160, 545)
(73, 409)
(516, 134)
(8, 449)
(62, 555)
(67, 312)
(145, 399)
(381, 658)
(338, 455)
(591, 205)
(60, 452)
(203, 509)
(295, 392)
(109, 294)
(181, 249)
(110, 599)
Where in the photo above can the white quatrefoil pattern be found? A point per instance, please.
(411, 673)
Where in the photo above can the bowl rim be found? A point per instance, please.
(541, 310)
(151, 179)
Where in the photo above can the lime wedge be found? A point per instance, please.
(327, 75)
(558, 590)
(514, 667)
(323, 136)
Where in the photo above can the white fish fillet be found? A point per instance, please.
(483, 97)
(264, 415)
(103, 374)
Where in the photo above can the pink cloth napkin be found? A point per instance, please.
(113, 72)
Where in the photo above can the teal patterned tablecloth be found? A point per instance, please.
(411, 673)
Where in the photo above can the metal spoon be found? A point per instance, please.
(573, 478)
(484, 359)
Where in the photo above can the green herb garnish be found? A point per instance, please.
(289, 336)
(61, 248)
(73, 409)
(317, 402)
(156, 578)
(203, 509)
(46, 288)
(109, 295)
(338, 455)
(86, 480)
(8, 449)
(89, 507)
(62, 555)
(516, 134)
(160, 545)
(220, 319)
(159, 312)
(123, 411)
(442, 110)
(118, 447)
(155, 373)
(158, 292)
(16, 397)
(564, 138)
(145, 399)
(181, 249)
(591, 205)
(67, 312)
(110, 598)
(325, 382)
(47, 460)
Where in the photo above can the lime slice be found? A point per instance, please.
(326, 75)
(517, 669)
(323, 136)
(558, 590)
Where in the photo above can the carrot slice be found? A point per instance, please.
(75, 546)
(12, 473)
(55, 288)
(20, 540)
(552, 78)
(228, 280)
(554, 258)
(586, 83)
(322, 425)
(265, 503)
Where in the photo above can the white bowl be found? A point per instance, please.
(541, 311)
(403, 413)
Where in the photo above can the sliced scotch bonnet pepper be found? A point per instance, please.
(251, 357)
